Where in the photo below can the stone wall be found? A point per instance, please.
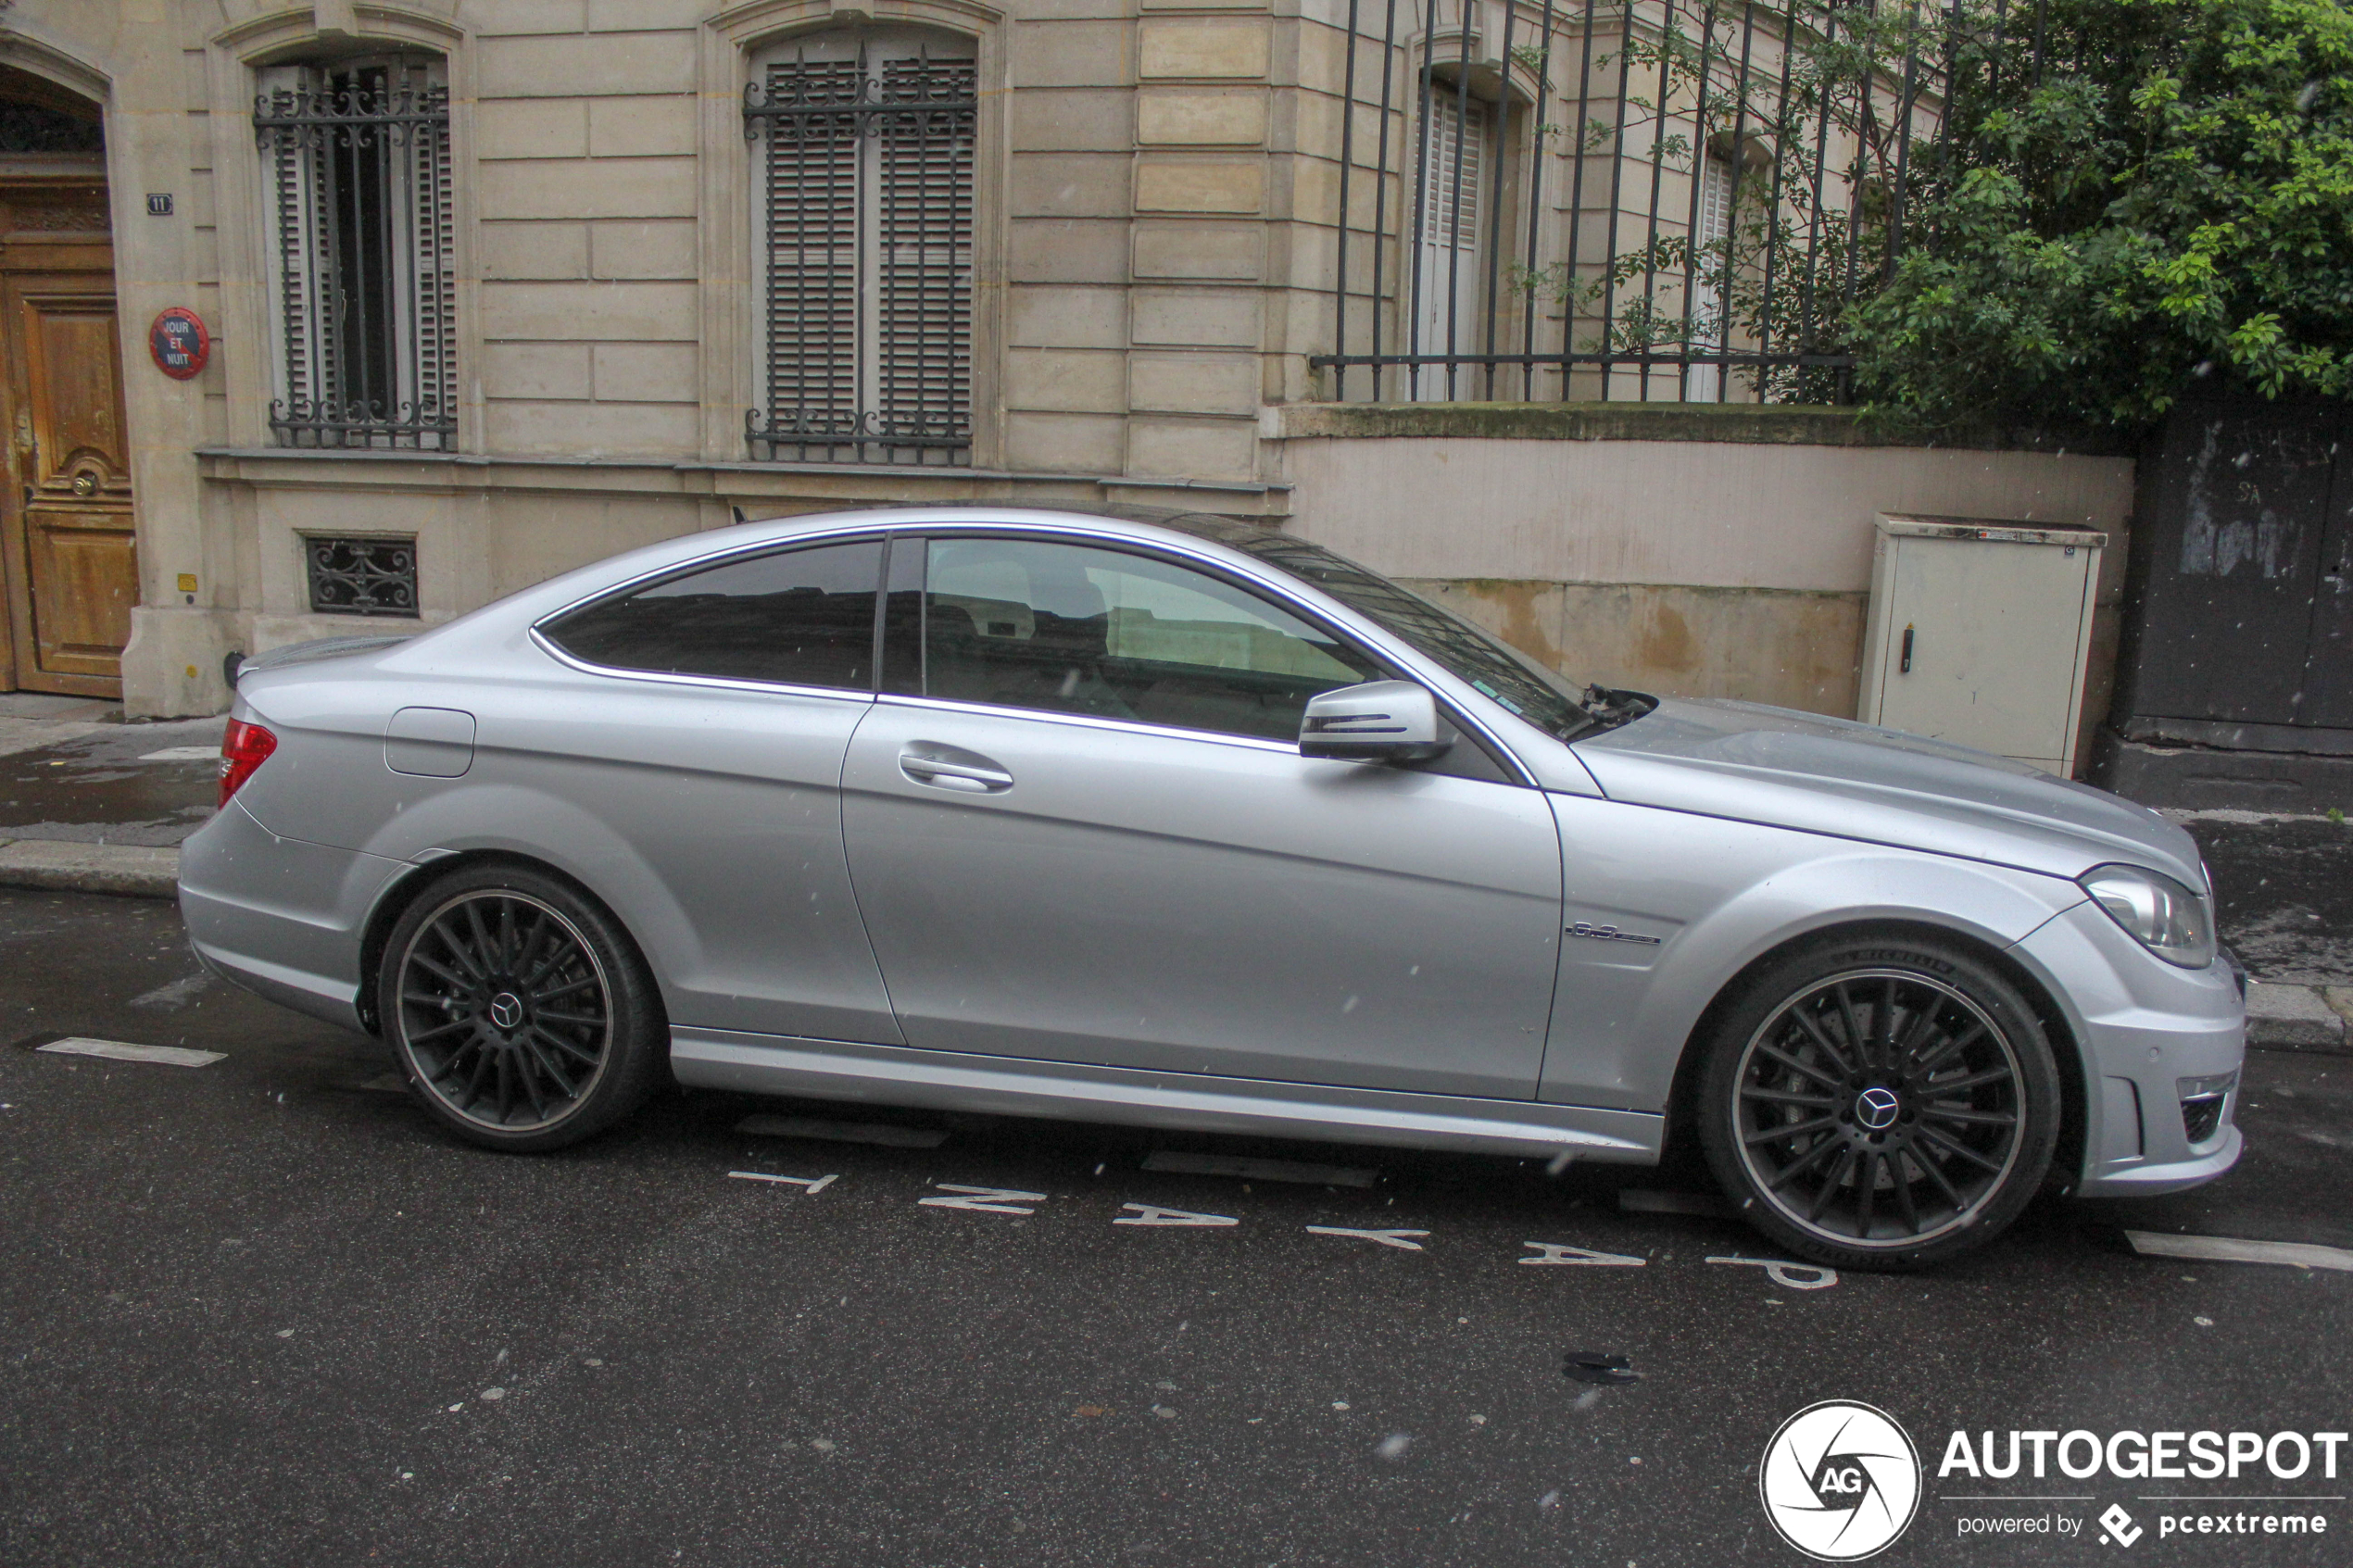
(1685, 551)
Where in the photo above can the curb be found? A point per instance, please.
(135, 871)
(2296, 1018)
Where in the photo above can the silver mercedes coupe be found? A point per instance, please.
(1163, 820)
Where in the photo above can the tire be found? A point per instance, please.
(1879, 1103)
(521, 1014)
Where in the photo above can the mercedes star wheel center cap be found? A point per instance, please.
(1876, 1108)
(505, 1012)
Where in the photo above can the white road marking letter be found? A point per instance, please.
(1561, 1252)
(1785, 1275)
(1152, 1214)
(1386, 1238)
(814, 1184)
(983, 1200)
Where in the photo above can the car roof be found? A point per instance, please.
(1199, 525)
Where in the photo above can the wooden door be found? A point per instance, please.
(66, 532)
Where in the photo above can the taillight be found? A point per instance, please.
(244, 749)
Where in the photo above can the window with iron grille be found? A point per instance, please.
(363, 576)
(862, 204)
(356, 167)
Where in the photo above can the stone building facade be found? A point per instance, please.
(491, 288)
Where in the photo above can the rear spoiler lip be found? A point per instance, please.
(310, 652)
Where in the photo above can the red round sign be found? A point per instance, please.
(180, 343)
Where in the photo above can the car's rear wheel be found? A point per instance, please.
(522, 1014)
(1878, 1104)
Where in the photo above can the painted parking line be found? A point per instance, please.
(811, 1183)
(1640, 1200)
(1184, 1164)
(841, 1132)
(182, 754)
(2229, 1249)
(124, 1050)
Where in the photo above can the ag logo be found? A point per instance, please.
(1840, 1481)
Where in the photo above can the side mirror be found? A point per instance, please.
(1378, 722)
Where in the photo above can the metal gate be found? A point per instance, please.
(2239, 631)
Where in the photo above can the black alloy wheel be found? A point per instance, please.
(1881, 1108)
(519, 1010)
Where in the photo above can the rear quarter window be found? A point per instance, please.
(803, 617)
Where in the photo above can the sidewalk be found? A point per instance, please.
(90, 803)
(2283, 887)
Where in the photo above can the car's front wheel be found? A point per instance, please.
(521, 1014)
(1878, 1104)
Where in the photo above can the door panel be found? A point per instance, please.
(84, 582)
(72, 566)
(1200, 904)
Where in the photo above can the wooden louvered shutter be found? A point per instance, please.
(866, 191)
(924, 250)
(812, 248)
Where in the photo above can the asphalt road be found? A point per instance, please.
(261, 1313)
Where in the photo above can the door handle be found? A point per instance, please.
(976, 777)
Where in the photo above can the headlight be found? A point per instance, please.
(2161, 914)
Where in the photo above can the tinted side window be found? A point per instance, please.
(805, 617)
(1076, 630)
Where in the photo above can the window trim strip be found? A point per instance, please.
(1271, 583)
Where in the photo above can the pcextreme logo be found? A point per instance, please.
(1840, 1481)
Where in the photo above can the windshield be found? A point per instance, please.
(1519, 683)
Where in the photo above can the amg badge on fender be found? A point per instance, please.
(1610, 934)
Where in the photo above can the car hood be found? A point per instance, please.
(1786, 769)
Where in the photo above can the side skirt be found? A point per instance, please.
(714, 1059)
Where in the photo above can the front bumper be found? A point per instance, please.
(2144, 1026)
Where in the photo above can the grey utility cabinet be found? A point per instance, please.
(1980, 631)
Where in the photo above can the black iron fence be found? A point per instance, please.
(1672, 200)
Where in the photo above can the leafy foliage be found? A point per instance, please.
(2100, 206)
(2169, 200)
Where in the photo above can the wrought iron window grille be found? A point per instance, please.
(865, 181)
(361, 576)
(358, 169)
(1679, 201)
